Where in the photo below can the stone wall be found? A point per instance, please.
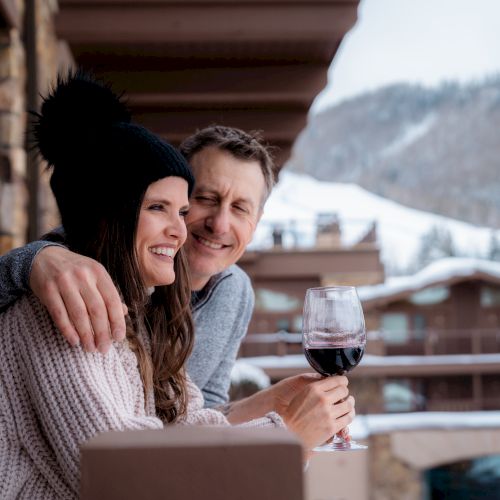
(14, 194)
(51, 62)
(390, 478)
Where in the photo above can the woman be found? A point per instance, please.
(53, 398)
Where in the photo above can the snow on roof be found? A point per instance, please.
(440, 271)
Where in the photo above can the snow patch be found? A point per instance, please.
(246, 372)
(411, 134)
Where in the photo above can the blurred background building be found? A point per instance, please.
(433, 337)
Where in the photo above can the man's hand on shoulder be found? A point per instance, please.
(80, 297)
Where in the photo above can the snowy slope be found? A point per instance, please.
(299, 198)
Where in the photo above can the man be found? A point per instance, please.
(234, 177)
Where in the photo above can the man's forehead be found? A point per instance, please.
(219, 171)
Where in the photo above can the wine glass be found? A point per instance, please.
(334, 339)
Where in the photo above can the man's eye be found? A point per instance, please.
(206, 199)
(241, 209)
(184, 213)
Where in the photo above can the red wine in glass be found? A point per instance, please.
(334, 339)
(334, 360)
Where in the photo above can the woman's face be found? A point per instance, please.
(161, 230)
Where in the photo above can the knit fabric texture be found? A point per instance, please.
(53, 397)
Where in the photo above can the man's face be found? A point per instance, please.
(225, 207)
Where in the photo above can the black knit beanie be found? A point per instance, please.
(101, 162)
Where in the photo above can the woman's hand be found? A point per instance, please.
(320, 410)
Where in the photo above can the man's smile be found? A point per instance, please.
(208, 243)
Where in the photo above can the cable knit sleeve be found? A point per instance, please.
(62, 396)
(197, 415)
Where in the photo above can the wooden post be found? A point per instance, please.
(186, 463)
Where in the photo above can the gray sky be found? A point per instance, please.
(417, 41)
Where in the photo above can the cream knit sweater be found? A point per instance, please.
(54, 397)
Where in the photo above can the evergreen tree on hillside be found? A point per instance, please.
(494, 248)
(436, 244)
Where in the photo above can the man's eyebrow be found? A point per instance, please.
(200, 188)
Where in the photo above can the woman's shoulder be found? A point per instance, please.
(25, 307)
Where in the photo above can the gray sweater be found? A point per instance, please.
(221, 311)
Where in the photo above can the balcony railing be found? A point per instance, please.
(438, 341)
(418, 342)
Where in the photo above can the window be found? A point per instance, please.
(399, 396)
(419, 325)
(429, 296)
(282, 325)
(395, 328)
(272, 301)
(297, 323)
(490, 296)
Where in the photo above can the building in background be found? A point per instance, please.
(427, 390)
(280, 276)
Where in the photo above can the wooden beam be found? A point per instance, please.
(161, 22)
(292, 85)
(177, 124)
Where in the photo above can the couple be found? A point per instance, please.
(123, 195)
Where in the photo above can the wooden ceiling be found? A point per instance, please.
(186, 64)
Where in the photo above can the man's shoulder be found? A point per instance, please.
(239, 275)
(233, 280)
(231, 286)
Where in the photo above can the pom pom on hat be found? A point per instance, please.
(78, 111)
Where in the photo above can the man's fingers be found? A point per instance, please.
(98, 315)
(79, 316)
(57, 310)
(116, 310)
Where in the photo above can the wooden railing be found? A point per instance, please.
(421, 342)
(442, 341)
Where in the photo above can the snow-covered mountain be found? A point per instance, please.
(434, 149)
(298, 199)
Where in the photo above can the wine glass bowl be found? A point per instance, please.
(334, 338)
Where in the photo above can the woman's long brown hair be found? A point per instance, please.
(166, 314)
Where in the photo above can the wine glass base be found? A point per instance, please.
(341, 446)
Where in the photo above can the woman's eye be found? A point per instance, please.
(156, 206)
(183, 213)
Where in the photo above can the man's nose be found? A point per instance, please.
(218, 222)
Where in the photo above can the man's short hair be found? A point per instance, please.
(242, 145)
